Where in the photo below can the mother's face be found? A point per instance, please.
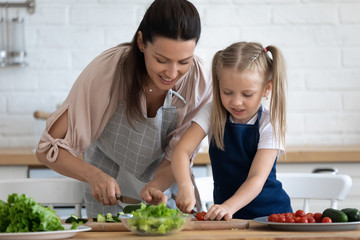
(167, 60)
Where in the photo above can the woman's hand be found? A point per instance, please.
(185, 199)
(103, 187)
(153, 195)
(218, 212)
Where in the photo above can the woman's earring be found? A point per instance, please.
(141, 50)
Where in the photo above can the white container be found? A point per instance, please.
(16, 42)
(2, 43)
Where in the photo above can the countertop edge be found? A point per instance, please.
(294, 154)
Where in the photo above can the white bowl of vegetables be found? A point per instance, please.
(152, 220)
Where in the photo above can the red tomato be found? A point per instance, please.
(273, 217)
(309, 214)
(288, 215)
(303, 220)
(326, 220)
(289, 220)
(300, 213)
(311, 219)
(281, 219)
(318, 217)
(200, 216)
(297, 219)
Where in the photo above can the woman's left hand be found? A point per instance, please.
(152, 195)
(218, 212)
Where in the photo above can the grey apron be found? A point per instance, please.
(130, 155)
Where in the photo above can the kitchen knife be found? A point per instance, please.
(126, 199)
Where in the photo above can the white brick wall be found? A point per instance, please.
(320, 40)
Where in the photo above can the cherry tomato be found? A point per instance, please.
(273, 217)
(200, 216)
(311, 219)
(289, 220)
(281, 219)
(303, 220)
(318, 217)
(297, 219)
(309, 214)
(300, 213)
(326, 220)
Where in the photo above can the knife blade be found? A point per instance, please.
(126, 199)
(193, 213)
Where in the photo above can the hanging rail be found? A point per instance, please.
(29, 4)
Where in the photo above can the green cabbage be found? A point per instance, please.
(24, 214)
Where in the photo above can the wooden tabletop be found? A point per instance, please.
(255, 231)
(294, 154)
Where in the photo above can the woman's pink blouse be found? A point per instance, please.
(95, 96)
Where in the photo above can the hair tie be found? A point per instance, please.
(265, 49)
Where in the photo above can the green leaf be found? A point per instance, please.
(24, 214)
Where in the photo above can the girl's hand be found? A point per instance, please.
(104, 188)
(152, 195)
(185, 199)
(218, 212)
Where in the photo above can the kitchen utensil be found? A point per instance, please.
(126, 199)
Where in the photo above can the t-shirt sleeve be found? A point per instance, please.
(203, 117)
(267, 139)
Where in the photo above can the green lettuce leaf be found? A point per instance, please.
(24, 214)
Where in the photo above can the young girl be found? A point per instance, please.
(245, 137)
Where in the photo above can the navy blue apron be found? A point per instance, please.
(231, 167)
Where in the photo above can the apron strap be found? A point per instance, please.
(169, 97)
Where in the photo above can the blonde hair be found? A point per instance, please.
(243, 56)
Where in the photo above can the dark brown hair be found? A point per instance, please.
(174, 19)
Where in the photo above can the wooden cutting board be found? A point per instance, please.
(191, 226)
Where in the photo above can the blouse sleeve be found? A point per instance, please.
(197, 91)
(90, 104)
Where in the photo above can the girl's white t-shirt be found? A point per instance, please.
(267, 138)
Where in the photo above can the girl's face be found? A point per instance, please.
(241, 94)
(166, 60)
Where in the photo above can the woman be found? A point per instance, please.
(128, 109)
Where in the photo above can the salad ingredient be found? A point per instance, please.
(318, 217)
(200, 216)
(23, 214)
(300, 213)
(326, 220)
(328, 215)
(335, 215)
(76, 219)
(353, 214)
(156, 219)
(109, 218)
(100, 218)
(130, 208)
